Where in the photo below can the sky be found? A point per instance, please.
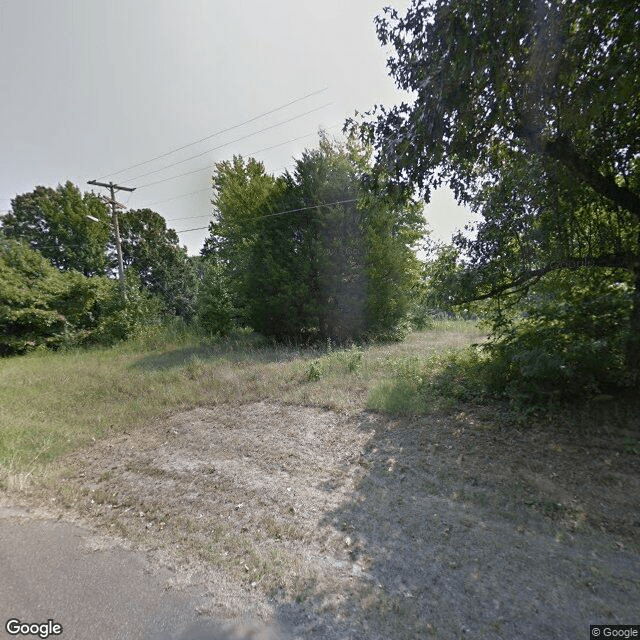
(92, 88)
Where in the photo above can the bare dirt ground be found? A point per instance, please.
(327, 525)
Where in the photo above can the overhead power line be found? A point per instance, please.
(253, 153)
(217, 133)
(226, 144)
(182, 195)
(180, 175)
(204, 215)
(192, 193)
(282, 213)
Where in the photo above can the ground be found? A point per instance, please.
(323, 524)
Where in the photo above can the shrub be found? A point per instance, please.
(42, 306)
(567, 338)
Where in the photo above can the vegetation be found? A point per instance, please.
(154, 253)
(307, 256)
(55, 222)
(73, 231)
(304, 289)
(41, 306)
(51, 403)
(529, 111)
(310, 255)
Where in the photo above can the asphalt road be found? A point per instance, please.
(49, 571)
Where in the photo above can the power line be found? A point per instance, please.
(282, 213)
(268, 215)
(315, 206)
(194, 229)
(217, 133)
(253, 153)
(180, 175)
(207, 215)
(191, 193)
(182, 195)
(226, 144)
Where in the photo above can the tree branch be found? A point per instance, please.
(527, 278)
(562, 150)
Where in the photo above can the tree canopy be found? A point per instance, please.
(556, 79)
(530, 110)
(311, 255)
(55, 222)
(153, 251)
(74, 231)
(44, 306)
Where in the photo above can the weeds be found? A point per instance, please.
(314, 371)
(51, 403)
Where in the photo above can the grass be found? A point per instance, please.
(54, 402)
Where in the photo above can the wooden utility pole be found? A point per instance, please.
(114, 216)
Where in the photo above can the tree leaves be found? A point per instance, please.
(56, 223)
(530, 110)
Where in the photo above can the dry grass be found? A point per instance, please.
(222, 460)
(53, 403)
(370, 525)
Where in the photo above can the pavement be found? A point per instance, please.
(52, 570)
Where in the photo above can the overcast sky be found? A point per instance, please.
(93, 87)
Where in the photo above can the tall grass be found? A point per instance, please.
(52, 403)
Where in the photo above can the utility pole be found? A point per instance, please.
(114, 216)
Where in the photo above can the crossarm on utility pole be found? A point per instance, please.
(116, 228)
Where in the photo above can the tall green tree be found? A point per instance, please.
(153, 251)
(311, 255)
(55, 222)
(242, 190)
(530, 110)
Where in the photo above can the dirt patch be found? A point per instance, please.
(363, 526)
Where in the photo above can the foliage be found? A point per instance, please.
(42, 306)
(529, 110)
(214, 309)
(241, 189)
(162, 265)
(565, 339)
(554, 79)
(310, 255)
(55, 222)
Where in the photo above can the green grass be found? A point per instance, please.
(55, 402)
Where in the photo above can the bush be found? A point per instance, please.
(42, 306)
(567, 338)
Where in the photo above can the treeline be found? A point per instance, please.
(57, 259)
(306, 256)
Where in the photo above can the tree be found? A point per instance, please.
(154, 253)
(214, 310)
(242, 189)
(56, 223)
(530, 110)
(311, 255)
